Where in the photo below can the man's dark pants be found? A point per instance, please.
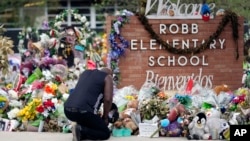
(93, 126)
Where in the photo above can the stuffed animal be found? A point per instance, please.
(198, 128)
(215, 123)
(224, 128)
(125, 119)
(221, 88)
(176, 112)
(174, 129)
(130, 124)
(126, 123)
(132, 106)
(205, 11)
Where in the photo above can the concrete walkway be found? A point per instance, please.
(35, 136)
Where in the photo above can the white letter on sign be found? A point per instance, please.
(163, 28)
(194, 28)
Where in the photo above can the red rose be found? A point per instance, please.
(40, 109)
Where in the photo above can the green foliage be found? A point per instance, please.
(10, 11)
(241, 7)
(118, 5)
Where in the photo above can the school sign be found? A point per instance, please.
(174, 50)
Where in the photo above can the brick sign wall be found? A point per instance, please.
(145, 60)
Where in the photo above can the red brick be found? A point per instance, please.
(221, 62)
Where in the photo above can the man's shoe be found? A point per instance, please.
(84, 133)
(76, 132)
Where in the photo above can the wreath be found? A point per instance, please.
(60, 18)
(85, 44)
(118, 43)
(228, 17)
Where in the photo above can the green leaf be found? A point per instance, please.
(35, 123)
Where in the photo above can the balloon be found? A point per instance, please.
(180, 120)
(164, 123)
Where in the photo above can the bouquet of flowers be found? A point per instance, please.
(51, 88)
(155, 106)
(28, 113)
(46, 109)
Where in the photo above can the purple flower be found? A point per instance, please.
(45, 25)
(120, 19)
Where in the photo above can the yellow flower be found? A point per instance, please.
(9, 86)
(54, 86)
(20, 113)
(24, 119)
(129, 97)
(32, 117)
(29, 111)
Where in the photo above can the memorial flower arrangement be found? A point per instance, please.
(45, 79)
(157, 105)
(46, 109)
(29, 113)
(51, 88)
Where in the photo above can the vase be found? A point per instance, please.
(41, 124)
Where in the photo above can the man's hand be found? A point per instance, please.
(106, 120)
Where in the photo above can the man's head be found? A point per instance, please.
(107, 70)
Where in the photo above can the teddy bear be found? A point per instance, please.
(130, 124)
(132, 106)
(198, 128)
(126, 123)
(125, 118)
(221, 88)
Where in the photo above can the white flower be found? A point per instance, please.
(83, 42)
(47, 96)
(58, 24)
(15, 103)
(117, 13)
(78, 16)
(47, 74)
(88, 36)
(57, 17)
(65, 96)
(13, 94)
(44, 37)
(21, 41)
(13, 113)
(75, 16)
(45, 113)
(83, 19)
(29, 29)
(54, 100)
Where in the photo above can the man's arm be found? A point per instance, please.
(108, 96)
